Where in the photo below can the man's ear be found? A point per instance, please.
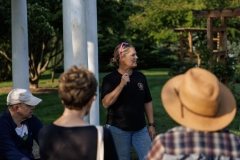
(15, 107)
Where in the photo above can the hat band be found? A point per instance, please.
(182, 110)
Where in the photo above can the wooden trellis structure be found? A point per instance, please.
(221, 51)
(189, 41)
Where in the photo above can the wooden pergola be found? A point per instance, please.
(188, 40)
(221, 51)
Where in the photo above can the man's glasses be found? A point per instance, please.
(121, 46)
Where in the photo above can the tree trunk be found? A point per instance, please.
(53, 73)
(34, 83)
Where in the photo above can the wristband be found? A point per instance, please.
(152, 124)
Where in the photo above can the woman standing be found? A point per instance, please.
(70, 137)
(126, 95)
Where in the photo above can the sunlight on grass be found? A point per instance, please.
(5, 84)
(155, 71)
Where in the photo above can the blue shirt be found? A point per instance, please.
(12, 146)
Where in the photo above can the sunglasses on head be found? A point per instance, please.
(121, 46)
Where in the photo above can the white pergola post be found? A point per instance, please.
(74, 34)
(20, 63)
(91, 15)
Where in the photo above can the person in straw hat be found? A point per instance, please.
(204, 107)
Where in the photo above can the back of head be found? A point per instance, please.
(76, 87)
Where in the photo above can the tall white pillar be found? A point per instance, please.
(20, 63)
(74, 34)
(91, 15)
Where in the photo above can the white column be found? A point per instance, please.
(74, 34)
(20, 64)
(91, 16)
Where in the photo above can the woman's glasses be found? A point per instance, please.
(121, 46)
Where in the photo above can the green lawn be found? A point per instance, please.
(51, 108)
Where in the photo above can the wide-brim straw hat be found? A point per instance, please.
(199, 101)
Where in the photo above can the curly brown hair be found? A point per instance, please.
(76, 87)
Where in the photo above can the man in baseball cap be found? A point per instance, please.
(204, 107)
(18, 126)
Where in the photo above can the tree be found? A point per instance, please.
(5, 41)
(45, 36)
(112, 16)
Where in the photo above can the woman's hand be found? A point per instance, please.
(152, 132)
(125, 79)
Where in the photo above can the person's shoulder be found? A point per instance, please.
(4, 121)
(2, 116)
(34, 118)
(5, 114)
(111, 74)
(48, 128)
(5, 117)
(51, 125)
(34, 122)
(138, 73)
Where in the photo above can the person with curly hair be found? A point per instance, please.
(70, 137)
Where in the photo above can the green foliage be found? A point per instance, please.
(156, 56)
(160, 17)
(208, 62)
(44, 36)
(5, 69)
(111, 17)
(180, 68)
(218, 68)
(5, 41)
(145, 24)
(237, 76)
(234, 49)
(236, 92)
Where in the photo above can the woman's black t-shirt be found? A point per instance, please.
(71, 143)
(127, 113)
